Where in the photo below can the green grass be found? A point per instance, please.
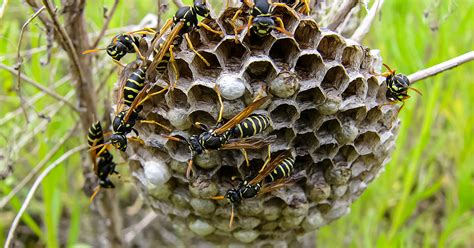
(424, 198)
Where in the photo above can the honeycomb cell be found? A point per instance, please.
(202, 117)
(201, 95)
(303, 161)
(372, 88)
(226, 17)
(346, 154)
(283, 137)
(211, 38)
(356, 90)
(177, 97)
(258, 45)
(355, 115)
(363, 163)
(283, 115)
(328, 129)
(373, 116)
(309, 66)
(326, 151)
(157, 100)
(366, 142)
(334, 79)
(284, 85)
(177, 150)
(283, 51)
(307, 121)
(329, 46)
(232, 53)
(211, 71)
(262, 70)
(158, 118)
(184, 71)
(305, 143)
(289, 19)
(310, 98)
(307, 34)
(337, 175)
(352, 57)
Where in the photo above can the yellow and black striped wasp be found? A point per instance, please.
(397, 87)
(261, 21)
(274, 174)
(241, 127)
(103, 163)
(123, 43)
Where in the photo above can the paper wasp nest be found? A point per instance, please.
(326, 107)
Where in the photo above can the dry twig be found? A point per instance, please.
(338, 16)
(131, 232)
(178, 3)
(106, 25)
(364, 27)
(434, 70)
(33, 189)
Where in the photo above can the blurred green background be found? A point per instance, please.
(424, 198)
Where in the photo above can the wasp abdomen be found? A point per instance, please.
(284, 169)
(133, 86)
(252, 125)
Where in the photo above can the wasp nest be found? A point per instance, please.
(326, 108)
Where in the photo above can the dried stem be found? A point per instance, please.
(434, 70)
(178, 3)
(364, 27)
(33, 189)
(38, 167)
(106, 25)
(41, 88)
(131, 232)
(338, 16)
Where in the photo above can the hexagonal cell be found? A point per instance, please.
(195, 38)
(352, 57)
(283, 137)
(373, 116)
(356, 88)
(202, 95)
(202, 117)
(346, 154)
(335, 78)
(366, 60)
(232, 54)
(283, 115)
(372, 88)
(209, 36)
(158, 118)
(328, 129)
(309, 66)
(325, 151)
(307, 33)
(257, 44)
(329, 46)
(284, 51)
(310, 98)
(184, 71)
(289, 20)
(307, 120)
(157, 100)
(226, 17)
(366, 142)
(177, 97)
(178, 150)
(355, 115)
(305, 143)
(367, 161)
(211, 71)
(262, 70)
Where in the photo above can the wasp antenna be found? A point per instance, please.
(219, 197)
(93, 50)
(416, 90)
(96, 191)
(388, 68)
(189, 169)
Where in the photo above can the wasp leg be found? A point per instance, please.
(189, 169)
(190, 45)
(267, 160)
(102, 150)
(96, 191)
(201, 126)
(136, 139)
(231, 216)
(233, 22)
(221, 108)
(142, 58)
(281, 28)
(145, 31)
(244, 152)
(306, 8)
(291, 9)
(163, 29)
(174, 66)
(249, 24)
(151, 95)
(205, 26)
(156, 123)
(119, 63)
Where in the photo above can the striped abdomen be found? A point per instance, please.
(133, 86)
(95, 136)
(163, 65)
(284, 169)
(250, 126)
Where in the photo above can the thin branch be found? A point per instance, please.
(41, 88)
(38, 167)
(432, 71)
(3, 8)
(106, 24)
(178, 3)
(33, 189)
(131, 232)
(364, 27)
(338, 16)
(20, 60)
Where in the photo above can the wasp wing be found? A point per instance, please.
(251, 143)
(280, 183)
(268, 168)
(241, 116)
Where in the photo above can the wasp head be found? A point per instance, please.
(106, 183)
(201, 8)
(195, 145)
(233, 196)
(119, 141)
(263, 25)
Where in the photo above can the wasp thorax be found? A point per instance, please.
(119, 141)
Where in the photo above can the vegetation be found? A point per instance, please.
(425, 197)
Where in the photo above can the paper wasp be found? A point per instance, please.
(123, 43)
(261, 21)
(243, 125)
(105, 166)
(274, 174)
(397, 87)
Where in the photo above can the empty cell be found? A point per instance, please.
(289, 20)
(207, 35)
(303, 162)
(178, 150)
(214, 68)
(283, 136)
(202, 117)
(310, 98)
(372, 88)
(352, 57)
(334, 79)
(260, 70)
(177, 97)
(183, 70)
(305, 143)
(353, 115)
(347, 154)
(326, 151)
(329, 128)
(356, 88)
(283, 114)
(366, 142)
(226, 17)
(307, 120)
(201, 95)
(257, 44)
(233, 54)
(157, 100)
(307, 33)
(158, 118)
(309, 66)
(373, 116)
(284, 50)
(329, 46)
